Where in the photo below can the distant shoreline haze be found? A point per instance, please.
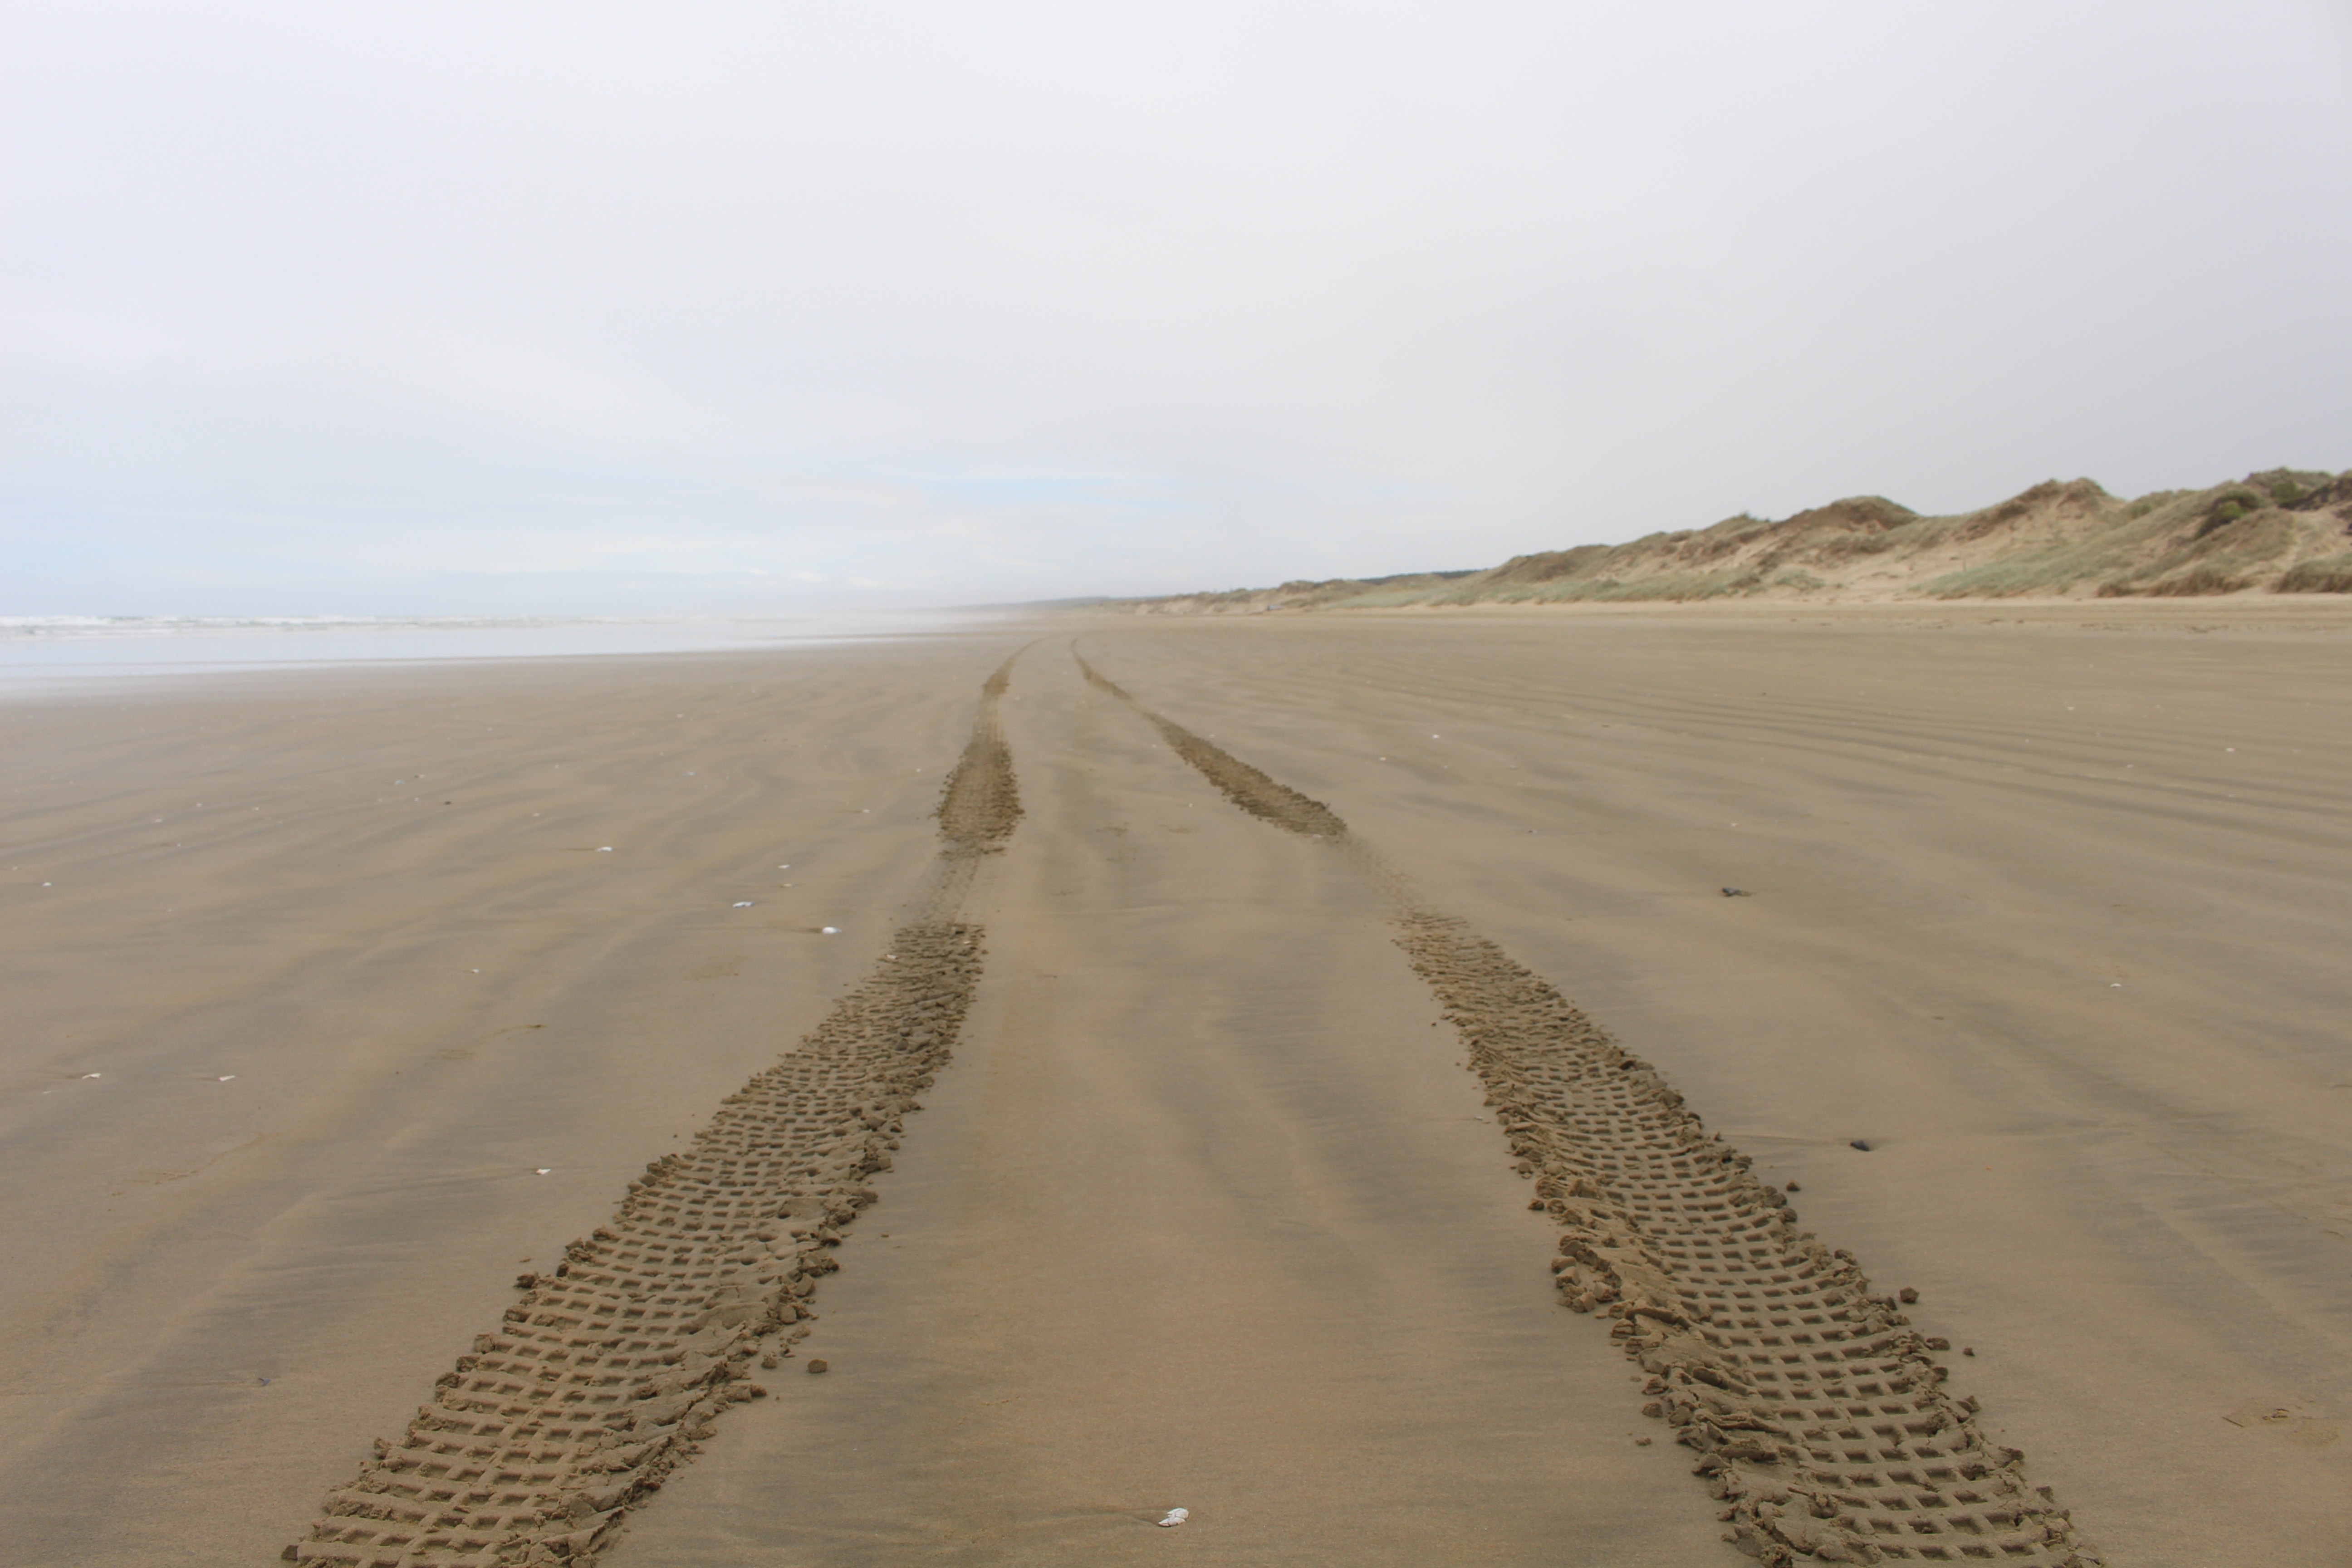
(37, 650)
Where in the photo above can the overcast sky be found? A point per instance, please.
(524, 308)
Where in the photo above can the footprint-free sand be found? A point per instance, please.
(351, 995)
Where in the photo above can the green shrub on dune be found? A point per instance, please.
(2328, 574)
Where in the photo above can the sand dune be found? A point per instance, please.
(2282, 531)
(1199, 1207)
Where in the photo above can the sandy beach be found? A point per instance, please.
(348, 1009)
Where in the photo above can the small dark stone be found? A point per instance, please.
(1906, 1295)
(816, 1365)
(1967, 1349)
(1735, 892)
(1794, 1188)
(1861, 1143)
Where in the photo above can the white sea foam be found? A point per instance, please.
(40, 652)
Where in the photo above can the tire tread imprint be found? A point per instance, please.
(1821, 1419)
(609, 1371)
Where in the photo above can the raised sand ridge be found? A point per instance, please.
(2284, 532)
(1821, 1422)
(608, 1371)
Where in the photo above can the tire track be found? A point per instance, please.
(1821, 1422)
(1239, 783)
(979, 804)
(609, 1372)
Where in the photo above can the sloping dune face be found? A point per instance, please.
(2282, 531)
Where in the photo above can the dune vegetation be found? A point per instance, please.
(2282, 531)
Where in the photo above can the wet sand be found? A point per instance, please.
(220, 1293)
(1203, 1211)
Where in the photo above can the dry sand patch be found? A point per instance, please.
(2046, 911)
(2022, 919)
(1819, 1415)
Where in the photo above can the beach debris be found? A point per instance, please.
(604, 849)
(546, 1170)
(1861, 1143)
(1176, 1515)
(93, 1074)
(742, 903)
(816, 1365)
(2246, 1415)
(828, 931)
(1736, 893)
(227, 1077)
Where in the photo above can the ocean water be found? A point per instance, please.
(41, 653)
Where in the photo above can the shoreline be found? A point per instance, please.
(34, 659)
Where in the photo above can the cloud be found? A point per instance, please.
(370, 300)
